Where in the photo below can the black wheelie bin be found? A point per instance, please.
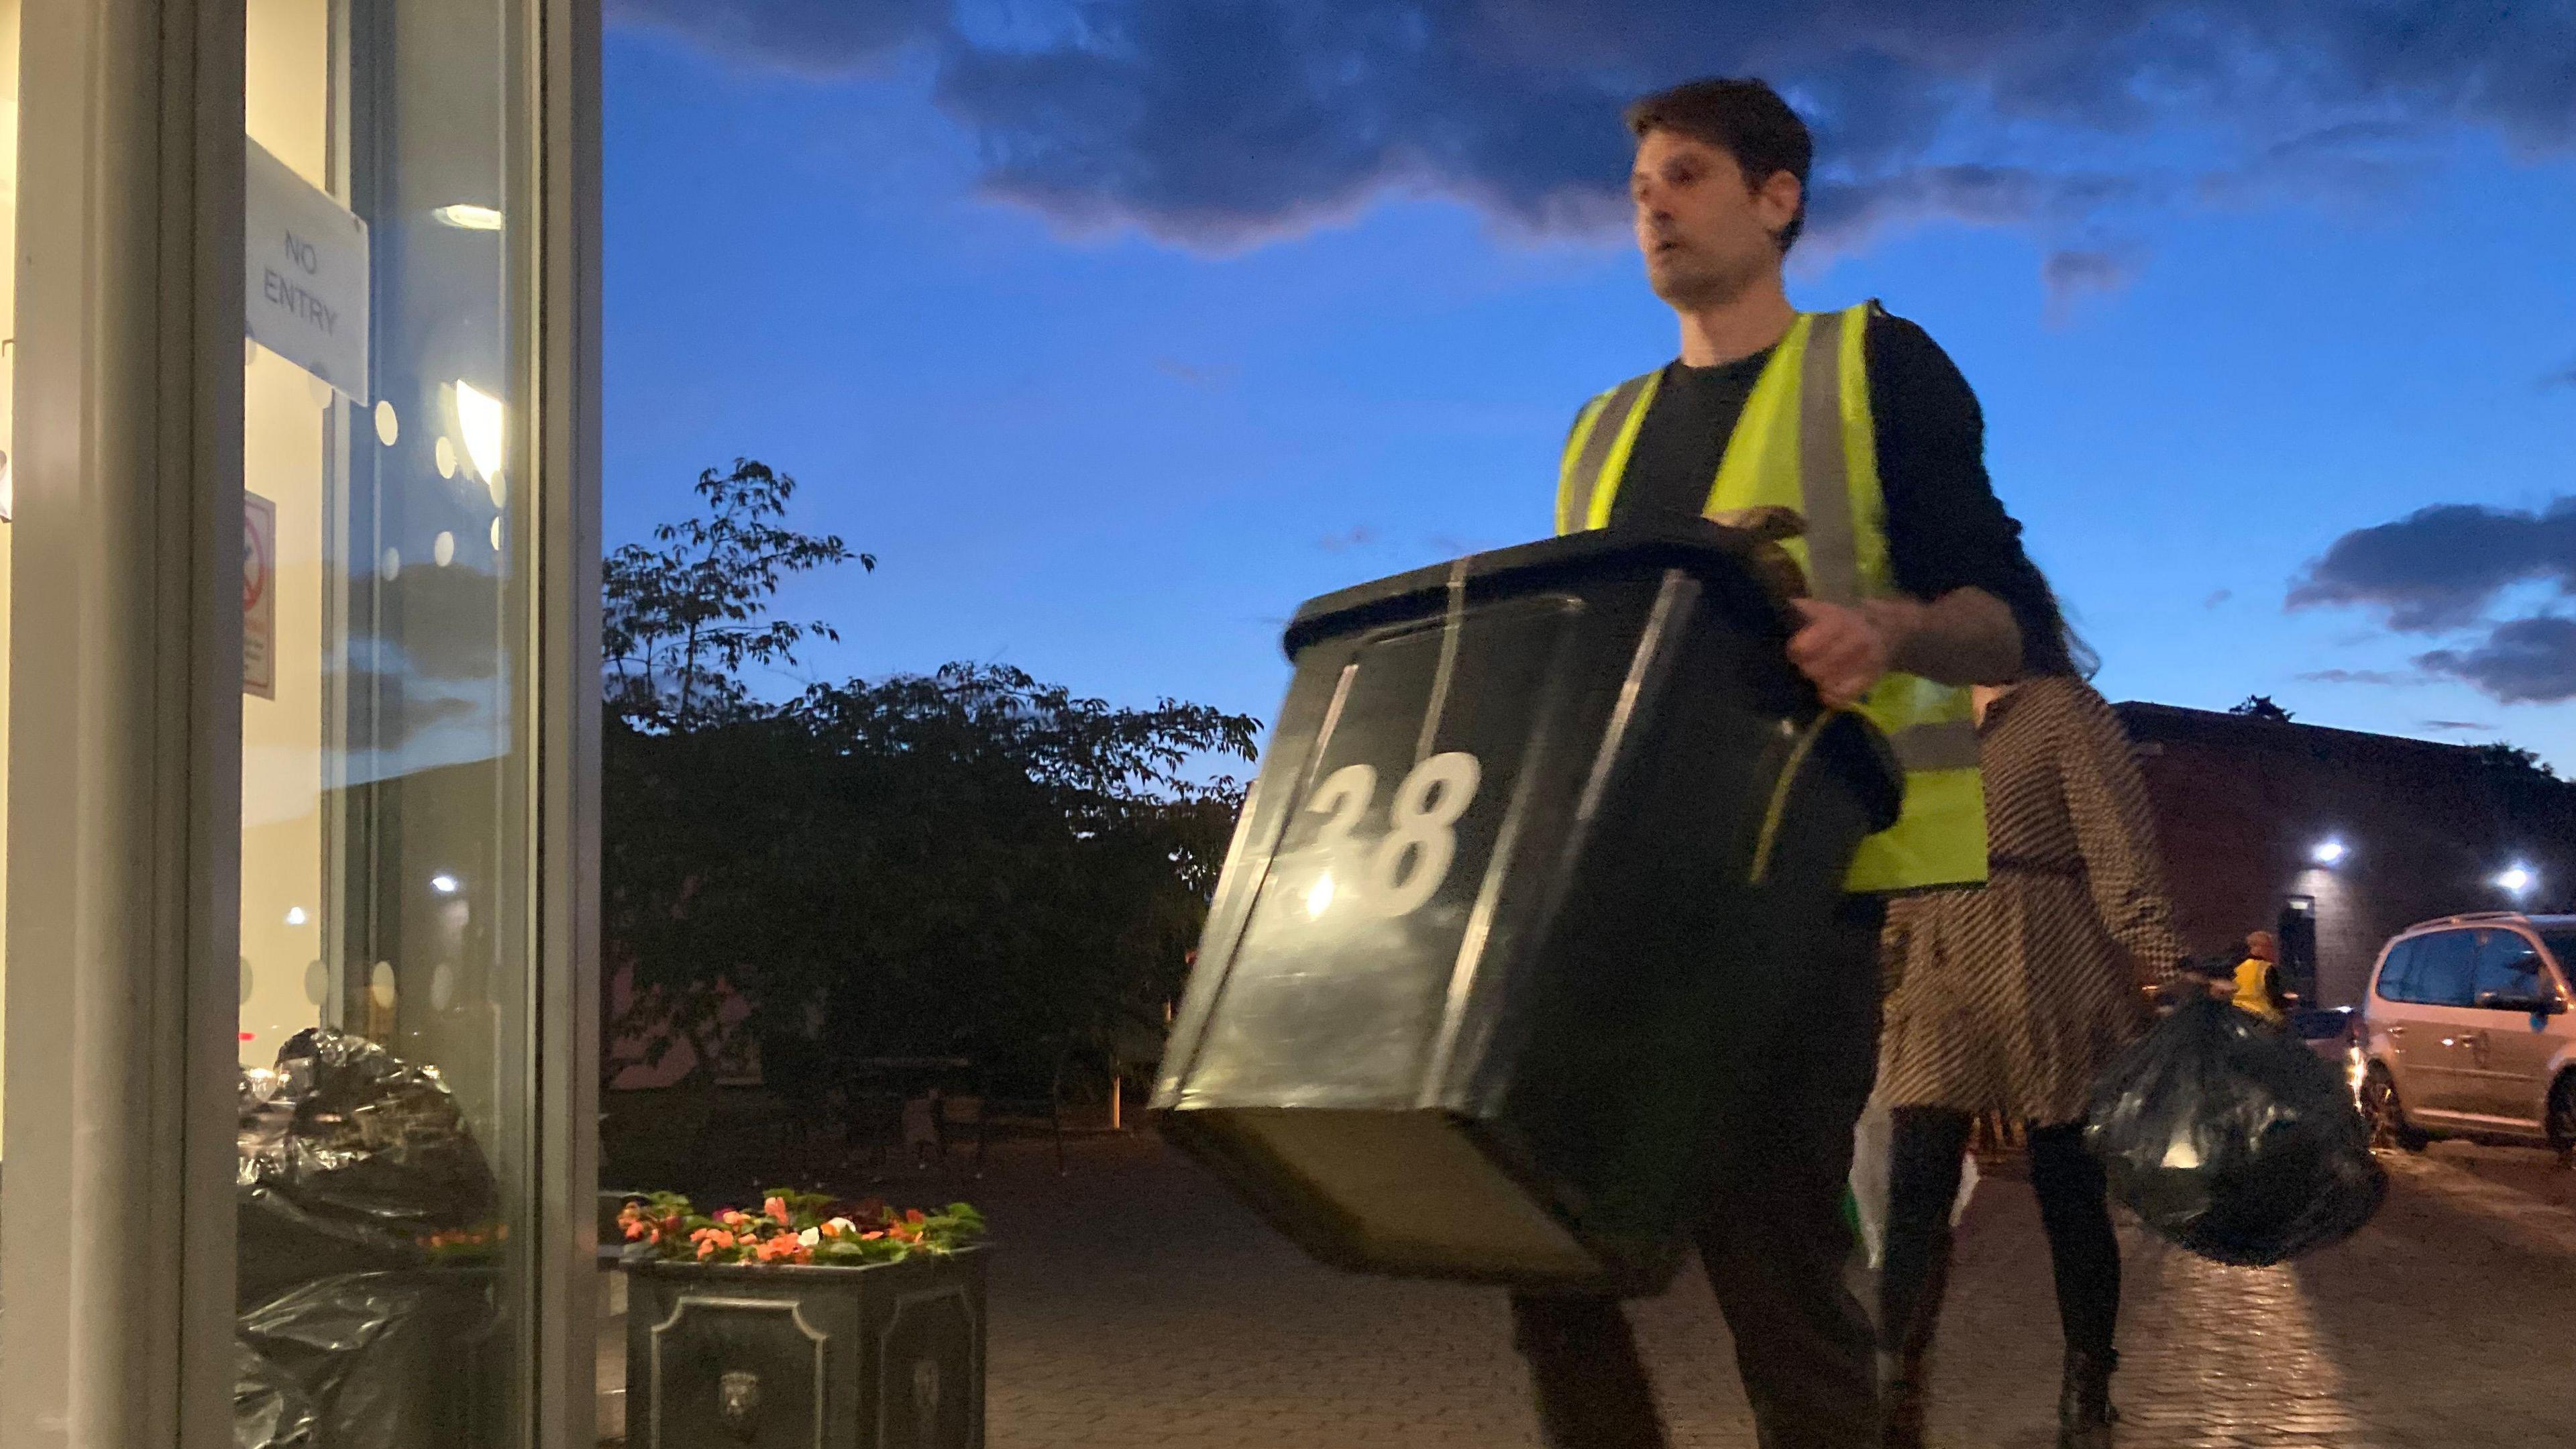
(1536, 831)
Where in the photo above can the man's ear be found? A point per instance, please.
(1777, 199)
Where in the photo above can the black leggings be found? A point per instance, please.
(1924, 1158)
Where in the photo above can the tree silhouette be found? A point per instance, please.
(682, 620)
(2506, 755)
(969, 860)
(2260, 706)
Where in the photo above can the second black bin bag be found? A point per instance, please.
(1537, 834)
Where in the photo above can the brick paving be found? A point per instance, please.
(1135, 1304)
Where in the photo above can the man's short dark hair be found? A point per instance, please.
(1744, 118)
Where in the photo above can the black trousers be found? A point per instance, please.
(1924, 1156)
(1772, 1241)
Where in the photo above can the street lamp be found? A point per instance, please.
(2327, 852)
(2517, 878)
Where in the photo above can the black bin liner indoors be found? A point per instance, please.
(352, 1328)
(1537, 830)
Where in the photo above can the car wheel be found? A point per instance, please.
(2387, 1116)
(2562, 1118)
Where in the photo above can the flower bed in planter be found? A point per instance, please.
(804, 1325)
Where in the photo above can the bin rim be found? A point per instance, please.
(1711, 552)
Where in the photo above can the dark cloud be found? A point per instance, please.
(2217, 597)
(2563, 377)
(2069, 274)
(1847, 213)
(2523, 661)
(1214, 377)
(2441, 567)
(2359, 676)
(2458, 726)
(1218, 124)
(817, 37)
(2079, 271)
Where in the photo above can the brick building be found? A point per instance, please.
(2337, 839)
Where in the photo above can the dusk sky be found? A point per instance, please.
(1116, 329)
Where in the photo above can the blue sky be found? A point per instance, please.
(1108, 406)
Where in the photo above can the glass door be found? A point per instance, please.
(8, 444)
(388, 861)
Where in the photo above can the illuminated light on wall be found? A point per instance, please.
(2517, 878)
(295, 916)
(445, 884)
(466, 217)
(2327, 852)
(479, 418)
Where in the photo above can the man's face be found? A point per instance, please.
(1706, 234)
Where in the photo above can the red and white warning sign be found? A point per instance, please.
(259, 596)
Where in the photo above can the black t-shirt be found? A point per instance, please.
(1945, 528)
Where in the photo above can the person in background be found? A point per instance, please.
(2010, 1000)
(2257, 987)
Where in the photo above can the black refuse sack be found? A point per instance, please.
(348, 1158)
(372, 1138)
(363, 1201)
(270, 1410)
(2233, 1140)
(370, 1359)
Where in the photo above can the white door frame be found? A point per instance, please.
(565, 1014)
(116, 1262)
(125, 742)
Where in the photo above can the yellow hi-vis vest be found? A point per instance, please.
(1806, 442)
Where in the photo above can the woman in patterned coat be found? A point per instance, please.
(2008, 1001)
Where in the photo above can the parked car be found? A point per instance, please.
(2466, 1032)
(2332, 1032)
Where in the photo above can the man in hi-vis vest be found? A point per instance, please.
(1857, 430)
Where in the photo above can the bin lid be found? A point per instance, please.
(1725, 560)
(1718, 556)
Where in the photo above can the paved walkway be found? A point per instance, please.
(1135, 1304)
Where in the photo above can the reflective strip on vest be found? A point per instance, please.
(1945, 745)
(1824, 472)
(1808, 417)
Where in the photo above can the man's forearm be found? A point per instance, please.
(1966, 636)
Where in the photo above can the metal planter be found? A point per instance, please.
(887, 1356)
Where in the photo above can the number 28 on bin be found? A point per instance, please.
(1400, 872)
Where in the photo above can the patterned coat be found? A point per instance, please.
(2012, 998)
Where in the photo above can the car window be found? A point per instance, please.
(2445, 968)
(2562, 944)
(2393, 974)
(2508, 967)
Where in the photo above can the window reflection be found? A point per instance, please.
(385, 848)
